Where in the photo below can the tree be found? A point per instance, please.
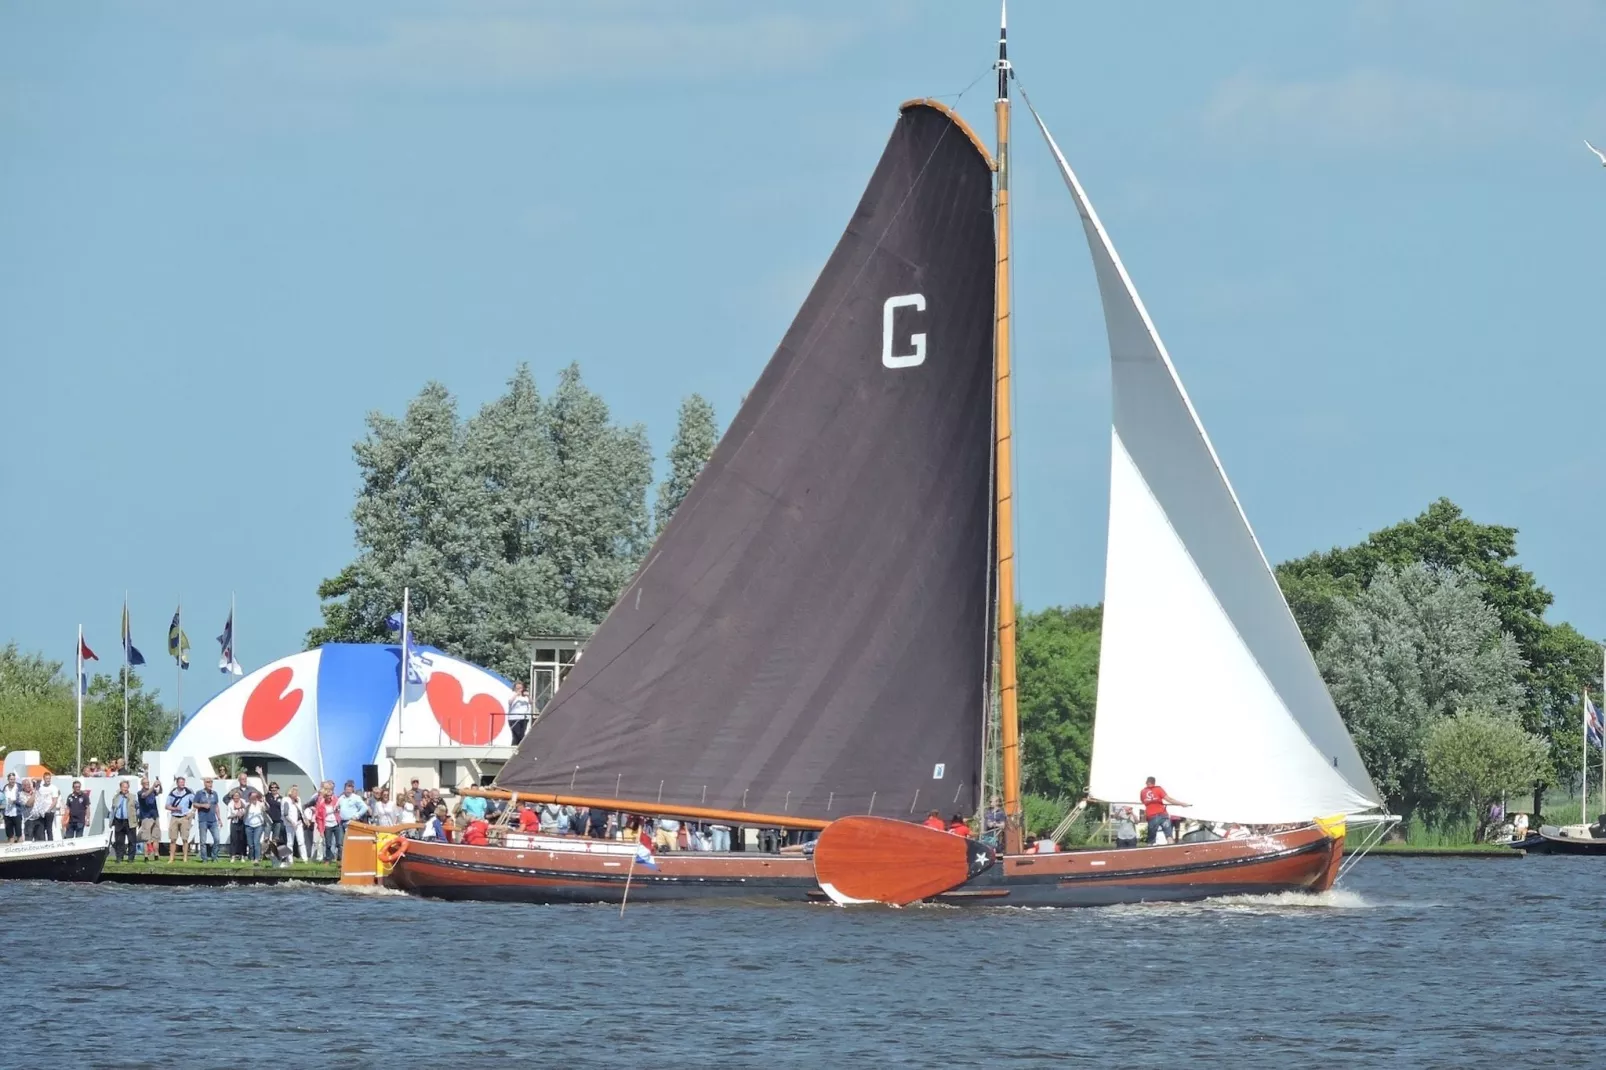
(1559, 662)
(528, 518)
(1057, 687)
(1478, 757)
(1441, 536)
(1416, 644)
(39, 712)
(696, 435)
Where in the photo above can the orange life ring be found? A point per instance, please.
(391, 850)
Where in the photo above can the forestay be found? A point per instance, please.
(1204, 679)
(808, 636)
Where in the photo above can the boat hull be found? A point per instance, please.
(1554, 841)
(78, 860)
(1303, 860)
(507, 874)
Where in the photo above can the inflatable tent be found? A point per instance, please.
(332, 710)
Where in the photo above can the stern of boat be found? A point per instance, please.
(1334, 828)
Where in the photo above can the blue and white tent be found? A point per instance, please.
(332, 710)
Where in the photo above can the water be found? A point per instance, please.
(1414, 963)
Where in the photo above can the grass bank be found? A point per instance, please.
(194, 872)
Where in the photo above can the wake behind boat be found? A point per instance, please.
(814, 633)
(78, 859)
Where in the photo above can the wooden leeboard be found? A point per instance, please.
(880, 860)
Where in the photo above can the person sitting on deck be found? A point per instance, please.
(477, 833)
(1044, 846)
(529, 820)
(1154, 799)
(934, 821)
(959, 827)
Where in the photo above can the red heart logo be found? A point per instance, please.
(269, 708)
(473, 723)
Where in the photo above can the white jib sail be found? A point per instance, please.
(1204, 679)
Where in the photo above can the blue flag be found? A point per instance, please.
(131, 653)
(393, 622)
(1594, 728)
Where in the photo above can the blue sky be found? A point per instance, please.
(1369, 232)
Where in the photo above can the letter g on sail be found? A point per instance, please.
(906, 360)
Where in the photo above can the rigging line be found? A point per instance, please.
(960, 95)
(803, 348)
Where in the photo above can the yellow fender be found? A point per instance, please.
(381, 839)
(1333, 826)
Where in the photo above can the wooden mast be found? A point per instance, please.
(1008, 720)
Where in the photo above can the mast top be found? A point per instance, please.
(1002, 66)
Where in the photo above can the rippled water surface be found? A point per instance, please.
(1414, 962)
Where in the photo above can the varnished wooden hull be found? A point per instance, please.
(503, 874)
(1304, 860)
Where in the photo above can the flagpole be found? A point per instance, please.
(234, 633)
(128, 642)
(1583, 802)
(178, 660)
(78, 689)
(401, 700)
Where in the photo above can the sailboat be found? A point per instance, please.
(811, 642)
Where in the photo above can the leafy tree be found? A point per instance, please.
(526, 519)
(1441, 536)
(1057, 663)
(1559, 662)
(1416, 644)
(1478, 757)
(38, 712)
(696, 435)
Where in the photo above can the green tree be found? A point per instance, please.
(1418, 643)
(1477, 757)
(38, 712)
(1442, 536)
(1057, 687)
(526, 519)
(1558, 661)
(696, 435)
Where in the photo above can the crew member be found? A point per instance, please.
(1154, 799)
(934, 821)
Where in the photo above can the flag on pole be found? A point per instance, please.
(84, 654)
(227, 664)
(131, 653)
(1594, 727)
(178, 644)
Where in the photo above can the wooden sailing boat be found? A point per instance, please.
(811, 637)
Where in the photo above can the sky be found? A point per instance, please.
(1369, 232)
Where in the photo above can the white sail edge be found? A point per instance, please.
(1361, 795)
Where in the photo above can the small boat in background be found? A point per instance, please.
(1567, 839)
(80, 859)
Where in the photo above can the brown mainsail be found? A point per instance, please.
(820, 598)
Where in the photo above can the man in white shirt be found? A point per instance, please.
(518, 712)
(46, 809)
(13, 809)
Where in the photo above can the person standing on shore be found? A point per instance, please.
(123, 811)
(328, 817)
(77, 812)
(253, 821)
(205, 805)
(150, 817)
(235, 808)
(350, 807)
(518, 712)
(180, 801)
(15, 812)
(47, 806)
(290, 824)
